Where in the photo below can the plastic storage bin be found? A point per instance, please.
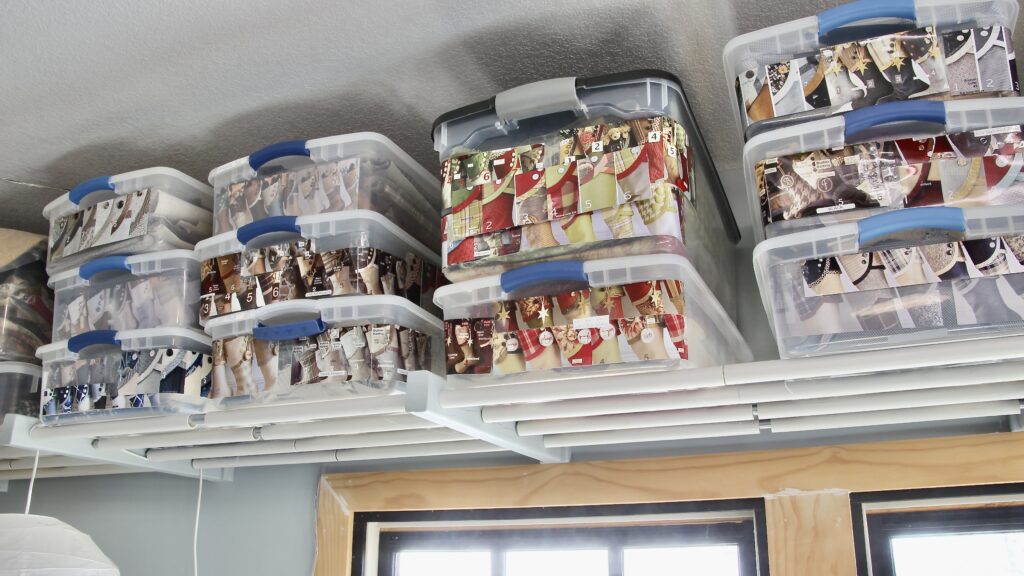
(563, 319)
(871, 52)
(287, 258)
(363, 171)
(27, 303)
(902, 154)
(901, 278)
(131, 213)
(574, 168)
(160, 289)
(310, 349)
(19, 388)
(104, 374)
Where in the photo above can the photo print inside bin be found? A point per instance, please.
(244, 366)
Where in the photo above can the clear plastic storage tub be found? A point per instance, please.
(155, 290)
(896, 155)
(582, 168)
(19, 388)
(25, 300)
(565, 319)
(284, 258)
(871, 52)
(306, 350)
(131, 213)
(105, 374)
(902, 278)
(362, 171)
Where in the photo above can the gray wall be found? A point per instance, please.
(262, 523)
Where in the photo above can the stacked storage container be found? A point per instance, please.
(875, 164)
(320, 272)
(125, 326)
(586, 231)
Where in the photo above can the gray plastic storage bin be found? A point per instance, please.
(19, 388)
(322, 255)
(572, 319)
(305, 350)
(362, 171)
(870, 52)
(103, 375)
(581, 168)
(25, 300)
(155, 290)
(902, 154)
(132, 213)
(901, 278)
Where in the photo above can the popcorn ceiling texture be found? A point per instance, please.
(104, 87)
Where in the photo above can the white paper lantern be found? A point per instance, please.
(42, 546)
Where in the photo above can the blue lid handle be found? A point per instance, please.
(275, 151)
(291, 331)
(269, 225)
(79, 192)
(84, 340)
(888, 224)
(862, 119)
(863, 10)
(544, 273)
(104, 264)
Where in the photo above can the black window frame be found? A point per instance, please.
(874, 548)
(750, 534)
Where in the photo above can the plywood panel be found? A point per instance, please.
(810, 533)
(333, 534)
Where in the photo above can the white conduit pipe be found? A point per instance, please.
(892, 401)
(358, 454)
(168, 439)
(962, 352)
(358, 425)
(628, 421)
(760, 393)
(46, 462)
(305, 445)
(273, 414)
(585, 386)
(652, 434)
(906, 416)
(124, 427)
(69, 471)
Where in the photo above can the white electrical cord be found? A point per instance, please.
(32, 483)
(195, 534)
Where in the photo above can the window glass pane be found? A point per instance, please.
(994, 554)
(447, 562)
(690, 560)
(556, 563)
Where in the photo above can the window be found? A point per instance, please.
(706, 539)
(941, 532)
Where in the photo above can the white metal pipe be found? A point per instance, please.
(168, 439)
(944, 354)
(585, 386)
(892, 400)
(358, 454)
(46, 462)
(737, 413)
(273, 414)
(378, 439)
(759, 393)
(122, 427)
(652, 434)
(338, 426)
(101, 470)
(221, 450)
(905, 416)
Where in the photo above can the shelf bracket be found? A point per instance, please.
(423, 390)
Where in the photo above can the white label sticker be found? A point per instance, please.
(546, 339)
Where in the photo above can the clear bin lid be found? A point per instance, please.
(139, 265)
(98, 342)
(102, 188)
(300, 318)
(524, 113)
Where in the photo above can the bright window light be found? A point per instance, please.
(721, 560)
(992, 554)
(556, 563)
(447, 562)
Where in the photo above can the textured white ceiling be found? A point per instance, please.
(106, 86)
